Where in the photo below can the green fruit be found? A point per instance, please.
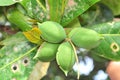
(46, 52)
(85, 38)
(65, 57)
(52, 32)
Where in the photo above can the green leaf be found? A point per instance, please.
(74, 8)
(19, 19)
(8, 2)
(17, 46)
(2, 17)
(39, 11)
(74, 23)
(16, 60)
(110, 46)
(113, 5)
(96, 14)
(56, 9)
(28, 7)
(17, 38)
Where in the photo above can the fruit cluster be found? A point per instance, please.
(58, 45)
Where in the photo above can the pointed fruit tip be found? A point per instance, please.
(35, 57)
(66, 73)
(38, 23)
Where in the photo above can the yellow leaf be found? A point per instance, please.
(33, 35)
(39, 70)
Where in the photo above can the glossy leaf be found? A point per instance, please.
(113, 5)
(16, 59)
(11, 51)
(96, 14)
(74, 23)
(19, 19)
(34, 36)
(8, 2)
(110, 46)
(39, 11)
(2, 17)
(27, 6)
(56, 9)
(74, 8)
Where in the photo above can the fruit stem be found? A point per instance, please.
(76, 57)
(19, 57)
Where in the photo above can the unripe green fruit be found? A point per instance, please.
(52, 32)
(65, 57)
(47, 52)
(85, 38)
